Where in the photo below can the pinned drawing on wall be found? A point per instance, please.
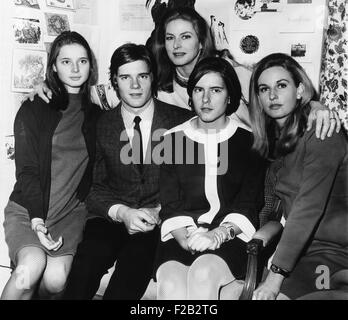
(245, 9)
(298, 50)
(27, 3)
(61, 4)
(28, 69)
(56, 23)
(270, 5)
(27, 33)
(9, 147)
(218, 32)
(249, 44)
(299, 1)
(255, 14)
(299, 21)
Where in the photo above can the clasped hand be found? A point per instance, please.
(140, 220)
(46, 238)
(201, 239)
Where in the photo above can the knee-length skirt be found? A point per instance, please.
(232, 252)
(18, 232)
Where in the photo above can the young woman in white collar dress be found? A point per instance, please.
(211, 189)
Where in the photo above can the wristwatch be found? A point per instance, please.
(276, 269)
(231, 234)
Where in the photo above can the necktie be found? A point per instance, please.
(137, 144)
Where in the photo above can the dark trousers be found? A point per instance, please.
(103, 243)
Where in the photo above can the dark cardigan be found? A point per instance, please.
(34, 126)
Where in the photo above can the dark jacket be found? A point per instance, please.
(313, 188)
(34, 127)
(115, 182)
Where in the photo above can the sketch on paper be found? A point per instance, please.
(62, 4)
(27, 3)
(56, 23)
(28, 69)
(245, 9)
(9, 147)
(27, 32)
(217, 29)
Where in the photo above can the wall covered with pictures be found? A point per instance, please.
(251, 29)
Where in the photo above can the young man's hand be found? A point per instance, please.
(137, 220)
(42, 91)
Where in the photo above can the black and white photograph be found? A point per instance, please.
(173, 155)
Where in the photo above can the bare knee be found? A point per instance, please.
(30, 267)
(54, 278)
(171, 281)
(209, 269)
(202, 270)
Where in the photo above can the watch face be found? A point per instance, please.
(232, 233)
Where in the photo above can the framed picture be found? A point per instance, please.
(28, 69)
(56, 23)
(27, 33)
(62, 4)
(27, 3)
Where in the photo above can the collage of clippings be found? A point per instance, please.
(34, 25)
(292, 29)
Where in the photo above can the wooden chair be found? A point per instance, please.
(261, 247)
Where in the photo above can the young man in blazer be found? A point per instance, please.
(123, 203)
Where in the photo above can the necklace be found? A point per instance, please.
(181, 80)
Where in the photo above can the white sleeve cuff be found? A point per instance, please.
(243, 223)
(175, 223)
(112, 213)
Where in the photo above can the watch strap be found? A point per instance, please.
(276, 269)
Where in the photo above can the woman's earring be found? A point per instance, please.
(229, 100)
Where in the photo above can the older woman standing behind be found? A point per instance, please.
(181, 39)
(310, 179)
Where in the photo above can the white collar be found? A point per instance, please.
(202, 137)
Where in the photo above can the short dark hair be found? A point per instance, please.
(131, 52)
(54, 83)
(227, 73)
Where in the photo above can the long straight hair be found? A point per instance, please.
(166, 68)
(262, 125)
(60, 95)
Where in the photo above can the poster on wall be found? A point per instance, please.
(218, 20)
(56, 23)
(27, 3)
(28, 69)
(27, 33)
(251, 14)
(299, 20)
(62, 4)
(134, 16)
